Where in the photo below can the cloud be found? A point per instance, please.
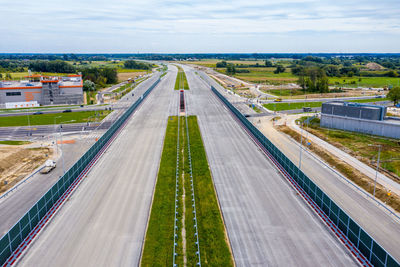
(114, 23)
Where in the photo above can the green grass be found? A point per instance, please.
(292, 105)
(158, 246)
(214, 249)
(375, 82)
(181, 81)
(300, 105)
(358, 145)
(44, 119)
(371, 100)
(14, 143)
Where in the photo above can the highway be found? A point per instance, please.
(268, 224)
(104, 222)
(14, 206)
(382, 226)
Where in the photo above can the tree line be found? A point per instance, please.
(132, 64)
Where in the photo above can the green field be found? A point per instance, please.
(14, 143)
(290, 106)
(374, 82)
(158, 246)
(44, 119)
(300, 105)
(181, 81)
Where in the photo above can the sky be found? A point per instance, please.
(185, 26)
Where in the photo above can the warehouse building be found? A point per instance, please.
(356, 117)
(43, 89)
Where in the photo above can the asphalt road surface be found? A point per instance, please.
(268, 224)
(382, 226)
(17, 203)
(104, 221)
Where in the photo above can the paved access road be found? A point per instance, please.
(104, 221)
(268, 224)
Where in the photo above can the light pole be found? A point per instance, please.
(29, 126)
(377, 164)
(62, 152)
(55, 133)
(301, 144)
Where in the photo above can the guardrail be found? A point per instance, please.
(45, 207)
(356, 239)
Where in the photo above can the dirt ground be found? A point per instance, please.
(16, 162)
(123, 76)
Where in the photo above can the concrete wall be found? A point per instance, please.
(382, 128)
(26, 95)
(71, 91)
(362, 111)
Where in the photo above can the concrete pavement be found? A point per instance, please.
(268, 224)
(104, 221)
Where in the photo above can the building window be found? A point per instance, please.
(13, 93)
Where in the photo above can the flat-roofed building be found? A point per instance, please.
(357, 117)
(43, 89)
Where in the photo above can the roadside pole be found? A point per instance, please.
(301, 144)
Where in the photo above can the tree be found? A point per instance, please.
(230, 69)
(279, 69)
(132, 64)
(394, 94)
(268, 63)
(221, 64)
(391, 73)
(89, 86)
(332, 71)
(313, 79)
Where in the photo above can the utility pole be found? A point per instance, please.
(55, 132)
(377, 164)
(301, 145)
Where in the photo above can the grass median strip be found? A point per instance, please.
(181, 81)
(158, 247)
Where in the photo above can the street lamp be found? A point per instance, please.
(55, 133)
(377, 164)
(62, 152)
(301, 144)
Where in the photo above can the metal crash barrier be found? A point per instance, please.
(356, 239)
(21, 234)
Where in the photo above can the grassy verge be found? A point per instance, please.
(14, 143)
(357, 145)
(181, 81)
(300, 105)
(349, 171)
(158, 247)
(44, 119)
(292, 105)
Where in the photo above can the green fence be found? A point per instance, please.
(359, 238)
(31, 222)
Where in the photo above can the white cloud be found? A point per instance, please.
(125, 25)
